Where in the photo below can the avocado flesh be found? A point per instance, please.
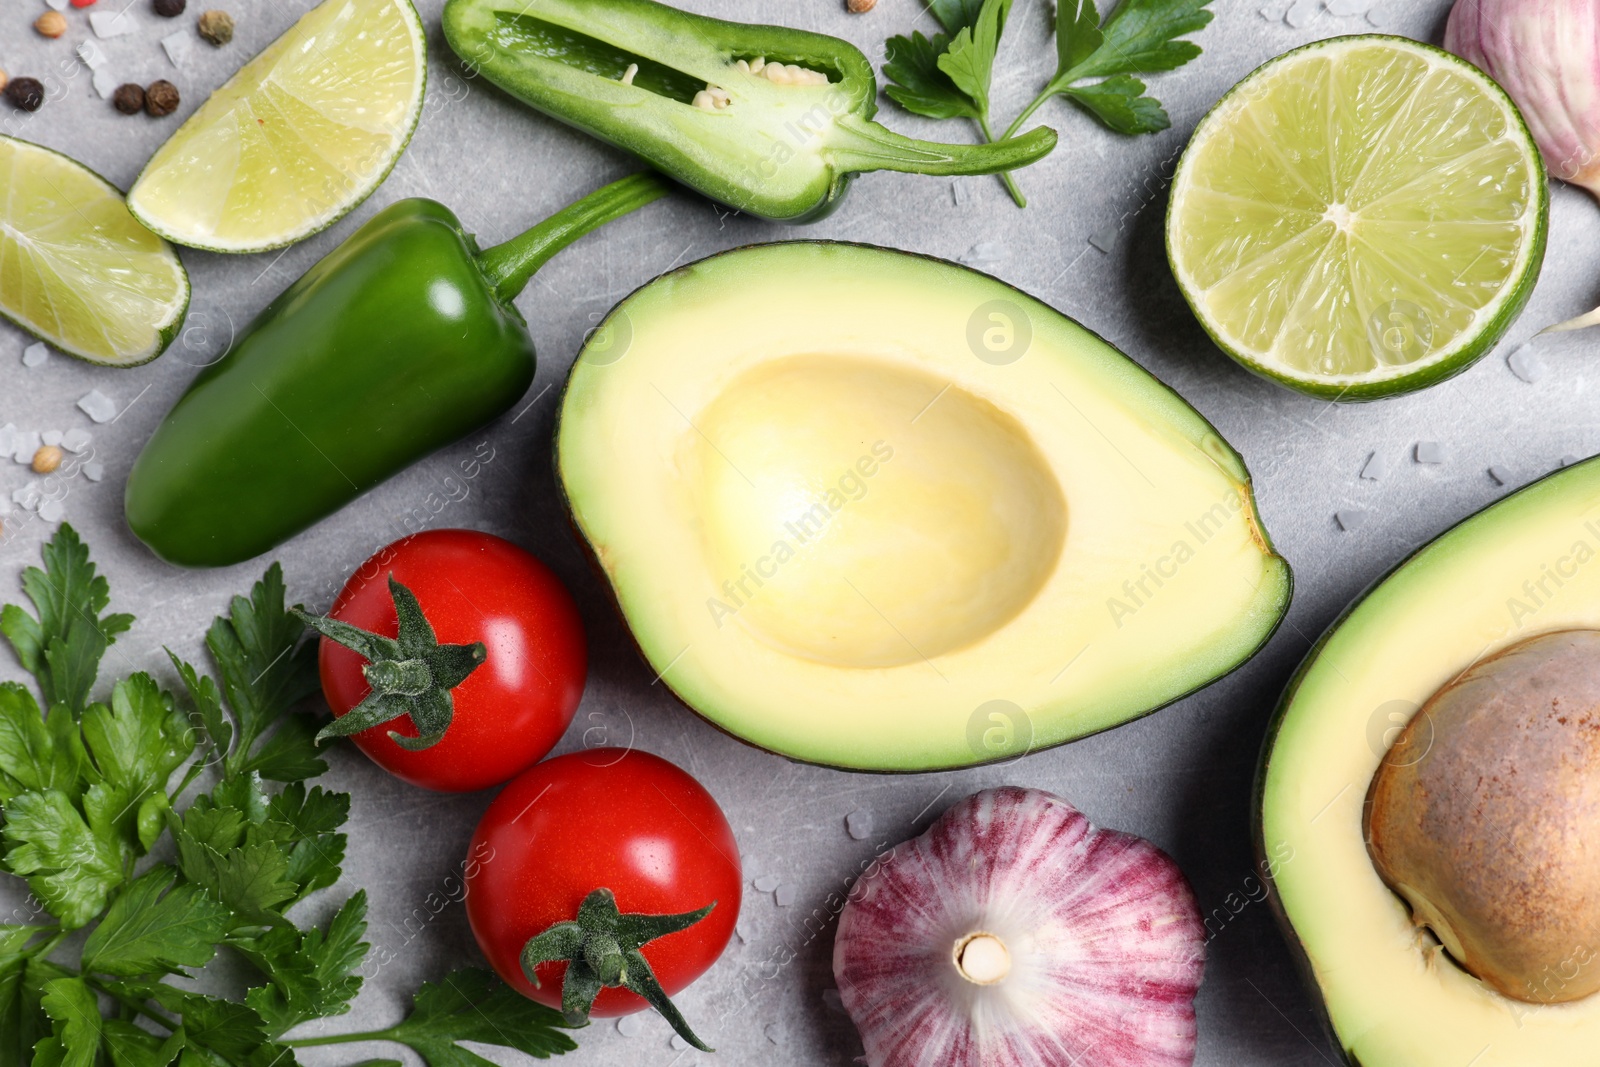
(876, 511)
(1393, 998)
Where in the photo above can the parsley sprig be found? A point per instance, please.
(174, 833)
(949, 75)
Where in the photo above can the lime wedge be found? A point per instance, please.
(1360, 217)
(78, 271)
(295, 140)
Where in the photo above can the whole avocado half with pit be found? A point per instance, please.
(1392, 995)
(876, 511)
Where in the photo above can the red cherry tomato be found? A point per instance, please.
(604, 818)
(511, 710)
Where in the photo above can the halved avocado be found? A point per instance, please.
(873, 510)
(1394, 997)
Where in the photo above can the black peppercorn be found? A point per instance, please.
(129, 99)
(161, 99)
(25, 93)
(170, 9)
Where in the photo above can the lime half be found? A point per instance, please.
(1360, 217)
(78, 271)
(295, 140)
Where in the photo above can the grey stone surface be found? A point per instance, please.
(1181, 777)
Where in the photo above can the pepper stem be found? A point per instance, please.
(509, 266)
(861, 145)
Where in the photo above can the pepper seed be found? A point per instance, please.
(27, 94)
(47, 459)
(129, 99)
(217, 27)
(160, 99)
(51, 24)
(170, 9)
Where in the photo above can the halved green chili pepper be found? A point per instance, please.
(400, 341)
(768, 120)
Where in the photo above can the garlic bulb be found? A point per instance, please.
(1546, 56)
(1015, 934)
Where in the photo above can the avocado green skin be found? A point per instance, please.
(1280, 712)
(762, 165)
(599, 570)
(388, 349)
(1460, 361)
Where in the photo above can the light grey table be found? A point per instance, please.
(1181, 777)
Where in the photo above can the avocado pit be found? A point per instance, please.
(1489, 829)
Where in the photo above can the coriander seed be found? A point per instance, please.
(217, 27)
(160, 99)
(26, 94)
(51, 24)
(170, 9)
(3, 81)
(47, 459)
(129, 99)
(860, 7)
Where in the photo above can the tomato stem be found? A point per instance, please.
(601, 949)
(411, 675)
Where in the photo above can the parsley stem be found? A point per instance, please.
(337, 1039)
(135, 1005)
(1005, 175)
(1027, 112)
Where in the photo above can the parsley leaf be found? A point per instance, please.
(155, 925)
(61, 645)
(34, 753)
(1141, 37)
(130, 1046)
(969, 59)
(75, 1036)
(311, 974)
(265, 669)
(70, 868)
(473, 1005)
(1120, 103)
(955, 15)
(919, 85)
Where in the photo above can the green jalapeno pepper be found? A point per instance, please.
(767, 120)
(401, 340)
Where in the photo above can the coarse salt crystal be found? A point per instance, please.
(98, 406)
(92, 55)
(94, 471)
(1375, 468)
(35, 355)
(112, 23)
(52, 510)
(177, 46)
(766, 883)
(1349, 520)
(1430, 452)
(105, 83)
(76, 440)
(784, 896)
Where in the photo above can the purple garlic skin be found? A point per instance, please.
(1546, 56)
(1015, 934)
